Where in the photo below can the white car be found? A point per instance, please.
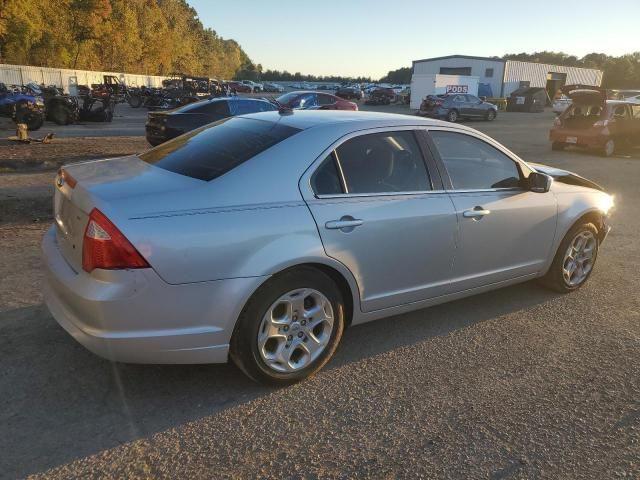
(255, 87)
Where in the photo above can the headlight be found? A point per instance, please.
(606, 204)
(39, 101)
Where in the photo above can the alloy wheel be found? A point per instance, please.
(295, 330)
(579, 258)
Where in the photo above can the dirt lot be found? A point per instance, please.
(518, 383)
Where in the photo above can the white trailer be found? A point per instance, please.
(437, 84)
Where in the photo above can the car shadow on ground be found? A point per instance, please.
(60, 402)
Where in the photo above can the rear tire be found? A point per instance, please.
(609, 148)
(253, 358)
(60, 115)
(33, 119)
(452, 116)
(556, 277)
(557, 146)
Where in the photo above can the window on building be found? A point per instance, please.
(524, 83)
(456, 71)
(488, 73)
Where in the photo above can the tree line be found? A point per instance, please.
(153, 37)
(619, 72)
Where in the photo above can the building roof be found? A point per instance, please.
(470, 57)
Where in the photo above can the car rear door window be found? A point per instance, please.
(326, 179)
(473, 164)
(243, 107)
(217, 108)
(211, 151)
(325, 99)
(383, 162)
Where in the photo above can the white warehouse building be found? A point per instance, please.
(499, 78)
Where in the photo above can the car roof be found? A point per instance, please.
(358, 120)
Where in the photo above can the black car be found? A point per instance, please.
(349, 93)
(163, 126)
(457, 106)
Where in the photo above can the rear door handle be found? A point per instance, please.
(477, 212)
(346, 223)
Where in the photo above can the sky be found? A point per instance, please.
(369, 38)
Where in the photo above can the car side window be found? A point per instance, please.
(473, 164)
(636, 111)
(383, 162)
(621, 113)
(473, 99)
(218, 108)
(325, 100)
(326, 179)
(307, 101)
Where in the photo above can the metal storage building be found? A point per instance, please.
(499, 78)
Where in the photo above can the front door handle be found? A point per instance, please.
(476, 213)
(346, 224)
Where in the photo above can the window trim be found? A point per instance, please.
(306, 177)
(521, 165)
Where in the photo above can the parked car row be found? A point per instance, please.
(163, 126)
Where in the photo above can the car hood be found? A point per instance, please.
(565, 176)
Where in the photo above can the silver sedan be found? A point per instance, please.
(260, 238)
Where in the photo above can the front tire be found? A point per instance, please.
(290, 328)
(574, 261)
(491, 115)
(452, 116)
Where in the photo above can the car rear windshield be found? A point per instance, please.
(213, 150)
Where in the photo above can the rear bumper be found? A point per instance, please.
(582, 139)
(134, 316)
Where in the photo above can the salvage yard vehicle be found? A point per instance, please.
(592, 121)
(163, 126)
(349, 93)
(527, 99)
(22, 106)
(239, 87)
(255, 87)
(457, 106)
(59, 108)
(381, 96)
(260, 238)
(273, 88)
(314, 101)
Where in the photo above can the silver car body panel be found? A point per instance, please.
(212, 244)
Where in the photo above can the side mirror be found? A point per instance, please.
(539, 182)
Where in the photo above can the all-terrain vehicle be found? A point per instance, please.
(22, 107)
(60, 108)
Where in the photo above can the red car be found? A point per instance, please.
(315, 101)
(238, 87)
(592, 121)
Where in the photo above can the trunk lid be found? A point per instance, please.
(121, 188)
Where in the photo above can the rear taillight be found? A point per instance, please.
(104, 246)
(65, 178)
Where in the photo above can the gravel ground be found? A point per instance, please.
(519, 383)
